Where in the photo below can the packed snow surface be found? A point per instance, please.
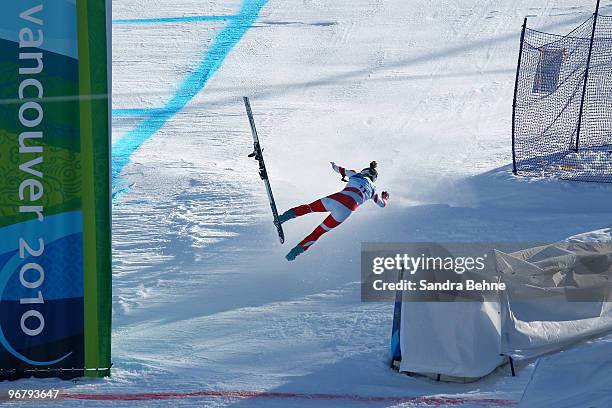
(203, 298)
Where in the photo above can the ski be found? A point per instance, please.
(258, 155)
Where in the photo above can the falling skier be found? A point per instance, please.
(340, 205)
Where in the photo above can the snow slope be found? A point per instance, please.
(203, 298)
(588, 385)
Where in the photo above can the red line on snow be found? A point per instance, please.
(439, 401)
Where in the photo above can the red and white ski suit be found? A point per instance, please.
(340, 205)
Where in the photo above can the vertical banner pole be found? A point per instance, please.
(518, 67)
(586, 75)
(95, 156)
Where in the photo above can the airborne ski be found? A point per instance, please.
(258, 155)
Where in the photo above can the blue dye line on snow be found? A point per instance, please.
(191, 86)
(137, 111)
(186, 19)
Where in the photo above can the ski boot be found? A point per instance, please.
(286, 216)
(295, 252)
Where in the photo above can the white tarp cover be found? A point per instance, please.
(538, 314)
(556, 295)
(459, 339)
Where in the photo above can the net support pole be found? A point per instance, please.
(516, 81)
(586, 75)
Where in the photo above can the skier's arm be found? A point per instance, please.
(381, 200)
(343, 172)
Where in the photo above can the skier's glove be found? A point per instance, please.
(385, 195)
(334, 166)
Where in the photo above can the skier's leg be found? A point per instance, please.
(315, 206)
(327, 225)
(337, 216)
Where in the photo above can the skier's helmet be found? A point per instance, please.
(370, 172)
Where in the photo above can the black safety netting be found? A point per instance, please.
(562, 125)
